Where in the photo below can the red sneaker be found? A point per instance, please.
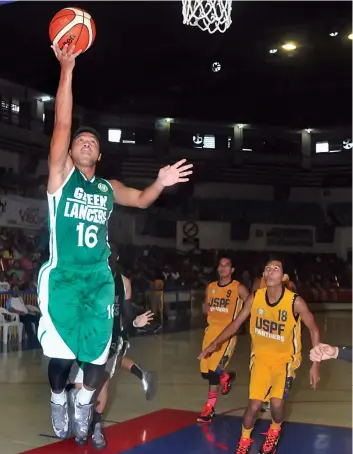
(207, 415)
(271, 442)
(227, 383)
(244, 445)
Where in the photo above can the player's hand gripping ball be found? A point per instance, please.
(72, 26)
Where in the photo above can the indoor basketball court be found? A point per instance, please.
(318, 422)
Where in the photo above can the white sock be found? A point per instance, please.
(84, 396)
(59, 399)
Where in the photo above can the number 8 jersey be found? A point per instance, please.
(78, 220)
(274, 328)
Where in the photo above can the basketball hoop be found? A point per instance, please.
(211, 15)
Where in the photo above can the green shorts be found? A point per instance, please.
(77, 312)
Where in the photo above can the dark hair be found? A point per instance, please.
(275, 258)
(83, 129)
(227, 257)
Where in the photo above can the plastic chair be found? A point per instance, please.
(9, 327)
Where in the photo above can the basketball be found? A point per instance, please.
(72, 26)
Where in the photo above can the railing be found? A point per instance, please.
(181, 308)
(28, 298)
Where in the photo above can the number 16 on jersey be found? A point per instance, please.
(87, 236)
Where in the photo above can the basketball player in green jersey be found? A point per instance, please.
(76, 287)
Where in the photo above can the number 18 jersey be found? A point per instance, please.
(274, 328)
(78, 220)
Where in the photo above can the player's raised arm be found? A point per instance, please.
(167, 176)
(231, 329)
(60, 162)
(301, 308)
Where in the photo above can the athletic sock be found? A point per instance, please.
(276, 425)
(212, 399)
(97, 418)
(246, 433)
(84, 396)
(59, 399)
(135, 370)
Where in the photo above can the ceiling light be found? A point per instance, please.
(169, 120)
(308, 130)
(45, 98)
(241, 125)
(334, 34)
(216, 66)
(350, 36)
(289, 46)
(273, 51)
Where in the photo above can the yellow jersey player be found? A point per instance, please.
(260, 283)
(276, 315)
(224, 301)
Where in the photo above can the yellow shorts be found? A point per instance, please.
(219, 359)
(269, 379)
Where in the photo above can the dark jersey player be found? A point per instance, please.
(124, 317)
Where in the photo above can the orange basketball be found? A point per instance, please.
(72, 26)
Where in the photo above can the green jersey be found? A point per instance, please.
(78, 221)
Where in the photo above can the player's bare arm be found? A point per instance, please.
(205, 305)
(301, 308)
(60, 162)
(167, 176)
(243, 293)
(256, 284)
(141, 320)
(127, 284)
(231, 329)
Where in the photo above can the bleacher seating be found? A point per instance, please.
(254, 169)
(261, 212)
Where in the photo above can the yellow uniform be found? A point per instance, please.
(276, 345)
(225, 304)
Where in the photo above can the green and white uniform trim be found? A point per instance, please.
(75, 286)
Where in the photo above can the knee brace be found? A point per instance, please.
(58, 373)
(92, 375)
(214, 379)
(204, 376)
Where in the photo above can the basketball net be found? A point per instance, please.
(211, 15)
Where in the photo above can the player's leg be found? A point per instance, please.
(273, 435)
(227, 378)
(58, 335)
(213, 370)
(98, 439)
(282, 378)
(58, 371)
(73, 387)
(147, 378)
(214, 379)
(260, 384)
(94, 342)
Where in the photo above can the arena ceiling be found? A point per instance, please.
(145, 61)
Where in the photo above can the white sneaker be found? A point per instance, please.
(60, 420)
